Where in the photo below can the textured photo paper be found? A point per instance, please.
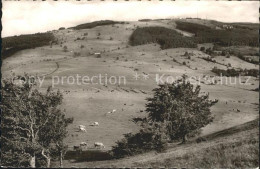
(147, 84)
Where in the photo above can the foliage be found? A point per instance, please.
(205, 34)
(95, 24)
(65, 48)
(13, 44)
(233, 72)
(209, 59)
(144, 20)
(247, 59)
(75, 54)
(147, 139)
(181, 107)
(175, 111)
(33, 127)
(166, 38)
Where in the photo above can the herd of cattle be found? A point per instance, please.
(84, 145)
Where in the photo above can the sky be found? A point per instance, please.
(27, 17)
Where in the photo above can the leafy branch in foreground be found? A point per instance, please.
(33, 126)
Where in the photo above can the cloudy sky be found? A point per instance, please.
(36, 16)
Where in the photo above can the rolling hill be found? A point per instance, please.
(119, 57)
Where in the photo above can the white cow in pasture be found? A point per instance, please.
(82, 128)
(113, 111)
(94, 124)
(99, 145)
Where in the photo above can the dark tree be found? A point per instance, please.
(33, 127)
(65, 49)
(181, 107)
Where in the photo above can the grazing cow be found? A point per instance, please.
(83, 144)
(109, 112)
(77, 148)
(114, 110)
(94, 124)
(99, 145)
(82, 128)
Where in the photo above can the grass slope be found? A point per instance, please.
(236, 147)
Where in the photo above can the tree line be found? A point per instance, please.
(237, 36)
(95, 24)
(166, 38)
(13, 44)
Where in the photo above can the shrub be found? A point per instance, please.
(65, 48)
(201, 139)
(209, 51)
(75, 54)
(202, 48)
(147, 139)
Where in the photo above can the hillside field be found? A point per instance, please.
(87, 103)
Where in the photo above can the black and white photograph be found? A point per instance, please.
(130, 84)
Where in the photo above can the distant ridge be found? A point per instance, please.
(95, 24)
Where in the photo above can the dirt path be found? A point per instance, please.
(57, 67)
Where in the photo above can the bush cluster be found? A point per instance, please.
(233, 72)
